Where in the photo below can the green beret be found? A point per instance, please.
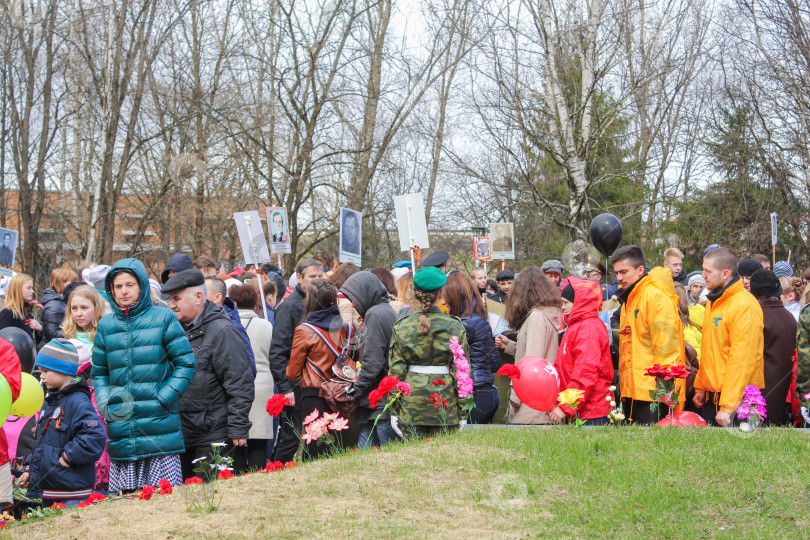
(429, 278)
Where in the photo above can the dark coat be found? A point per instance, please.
(142, 364)
(8, 318)
(217, 404)
(499, 296)
(51, 317)
(232, 311)
(70, 427)
(289, 314)
(483, 356)
(780, 343)
(369, 294)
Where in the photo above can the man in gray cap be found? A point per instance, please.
(437, 259)
(553, 270)
(216, 406)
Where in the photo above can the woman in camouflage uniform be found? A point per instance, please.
(420, 355)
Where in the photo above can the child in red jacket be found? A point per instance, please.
(10, 369)
(583, 358)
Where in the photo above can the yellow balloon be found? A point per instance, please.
(31, 397)
(5, 400)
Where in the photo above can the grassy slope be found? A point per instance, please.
(499, 482)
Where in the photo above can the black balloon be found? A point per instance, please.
(606, 233)
(24, 346)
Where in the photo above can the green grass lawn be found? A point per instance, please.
(498, 482)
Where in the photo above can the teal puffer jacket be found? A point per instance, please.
(142, 363)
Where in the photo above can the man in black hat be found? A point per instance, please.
(437, 259)
(216, 406)
(177, 263)
(505, 280)
(746, 269)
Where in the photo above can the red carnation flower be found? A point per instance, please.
(165, 487)
(679, 372)
(224, 474)
(84, 504)
(147, 492)
(386, 385)
(657, 371)
(96, 497)
(439, 382)
(276, 404)
(509, 370)
(290, 465)
(193, 480)
(438, 401)
(58, 506)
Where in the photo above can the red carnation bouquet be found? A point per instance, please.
(665, 382)
(509, 370)
(276, 404)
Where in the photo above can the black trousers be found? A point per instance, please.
(311, 401)
(205, 451)
(639, 412)
(289, 431)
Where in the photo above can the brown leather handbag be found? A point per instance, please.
(335, 390)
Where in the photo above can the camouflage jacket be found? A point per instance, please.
(409, 348)
(803, 346)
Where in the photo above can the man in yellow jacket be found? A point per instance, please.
(731, 352)
(649, 333)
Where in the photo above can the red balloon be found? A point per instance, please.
(538, 385)
(683, 419)
(690, 419)
(668, 421)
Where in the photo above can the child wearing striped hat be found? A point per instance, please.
(69, 439)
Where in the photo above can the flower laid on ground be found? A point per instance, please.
(224, 474)
(753, 407)
(463, 379)
(165, 487)
(276, 404)
(665, 382)
(273, 466)
(96, 498)
(290, 465)
(58, 506)
(438, 382)
(147, 492)
(571, 397)
(193, 480)
(438, 401)
(509, 370)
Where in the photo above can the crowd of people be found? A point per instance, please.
(145, 376)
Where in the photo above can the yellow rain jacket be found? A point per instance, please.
(650, 333)
(731, 352)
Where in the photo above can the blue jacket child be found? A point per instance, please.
(69, 435)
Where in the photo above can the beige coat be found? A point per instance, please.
(537, 337)
(259, 332)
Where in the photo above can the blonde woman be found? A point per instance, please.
(17, 308)
(792, 295)
(85, 308)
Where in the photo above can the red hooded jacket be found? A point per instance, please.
(583, 358)
(10, 369)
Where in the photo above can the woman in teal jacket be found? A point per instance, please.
(142, 363)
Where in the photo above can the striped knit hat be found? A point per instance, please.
(59, 355)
